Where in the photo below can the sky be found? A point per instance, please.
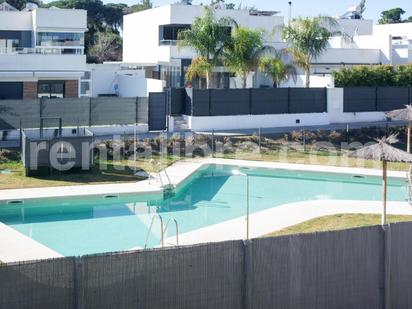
(308, 7)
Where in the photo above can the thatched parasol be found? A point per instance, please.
(406, 115)
(384, 152)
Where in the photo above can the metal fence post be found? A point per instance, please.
(245, 285)
(213, 142)
(260, 148)
(77, 286)
(347, 133)
(304, 139)
(387, 266)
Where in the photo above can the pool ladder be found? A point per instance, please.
(159, 176)
(163, 229)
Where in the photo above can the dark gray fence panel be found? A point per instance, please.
(177, 97)
(325, 270)
(109, 111)
(72, 111)
(269, 101)
(12, 111)
(157, 111)
(229, 102)
(359, 99)
(400, 261)
(390, 98)
(200, 102)
(205, 276)
(39, 285)
(142, 110)
(307, 100)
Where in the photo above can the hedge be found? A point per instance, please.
(374, 76)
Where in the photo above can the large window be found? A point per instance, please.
(60, 39)
(50, 88)
(11, 90)
(168, 33)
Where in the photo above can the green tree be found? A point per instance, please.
(276, 69)
(107, 47)
(143, 5)
(392, 16)
(207, 37)
(308, 39)
(243, 51)
(20, 4)
(198, 69)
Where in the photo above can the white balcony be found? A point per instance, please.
(34, 62)
(350, 56)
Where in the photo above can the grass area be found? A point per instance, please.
(337, 222)
(285, 148)
(116, 172)
(318, 158)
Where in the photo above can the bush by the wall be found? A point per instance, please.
(374, 76)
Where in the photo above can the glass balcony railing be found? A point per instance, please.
(41, 51)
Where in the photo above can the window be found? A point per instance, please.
(168, 33)
(11, 90)
(50, 89)
(60, 39)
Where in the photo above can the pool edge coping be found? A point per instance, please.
(178, 173)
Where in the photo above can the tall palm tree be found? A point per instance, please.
(243, 52)
(208, 37)
(308, 39)
(276, 69)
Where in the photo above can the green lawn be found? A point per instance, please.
(337, 222)
(114, 173)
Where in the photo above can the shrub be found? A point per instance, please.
(374, 76)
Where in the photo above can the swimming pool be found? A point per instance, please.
(213, 194)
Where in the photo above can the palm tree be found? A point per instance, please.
(243, 52)
(208, 37)
(198, 69)
(308, 39)
(276, 69)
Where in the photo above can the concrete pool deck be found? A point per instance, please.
(16, 247)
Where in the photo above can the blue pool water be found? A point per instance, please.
(86, 225)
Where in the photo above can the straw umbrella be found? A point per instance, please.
(384, 152)
(406, 115)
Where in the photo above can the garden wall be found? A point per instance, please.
(73, 111)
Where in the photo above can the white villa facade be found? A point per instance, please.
(41, 52)
(150, 42)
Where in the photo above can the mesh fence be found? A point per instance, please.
(344, 269)
(45, 284)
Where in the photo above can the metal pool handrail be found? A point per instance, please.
(150, 230)
(176, 226)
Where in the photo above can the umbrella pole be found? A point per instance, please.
(384, 180)
(408, 142)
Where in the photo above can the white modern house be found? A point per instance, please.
(150, 42)
(150, 38)
(41, 52)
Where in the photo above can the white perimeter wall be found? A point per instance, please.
(335, 114)
(138, 85)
